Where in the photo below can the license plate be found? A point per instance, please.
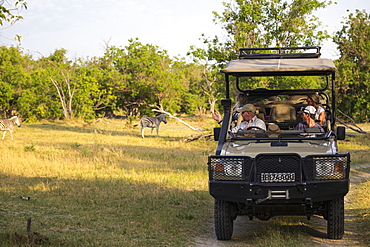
(277, 177)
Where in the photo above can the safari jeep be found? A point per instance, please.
(280, 171)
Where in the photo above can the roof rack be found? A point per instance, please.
(280, 52)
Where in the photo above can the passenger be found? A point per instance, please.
(308, 116)
(241, 99)
(314, 100)
(248, 112)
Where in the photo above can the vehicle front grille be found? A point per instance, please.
(278, 165)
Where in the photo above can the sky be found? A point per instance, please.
(85, 27)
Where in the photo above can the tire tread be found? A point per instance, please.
(223, 220)
(335, 224)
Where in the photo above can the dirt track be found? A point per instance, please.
(246, 230)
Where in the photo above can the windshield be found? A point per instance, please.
(291, 114)
(282, 82)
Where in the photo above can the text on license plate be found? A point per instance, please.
(277, 177)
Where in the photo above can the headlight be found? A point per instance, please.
(329, 168)
(224, 169)
(233, 169)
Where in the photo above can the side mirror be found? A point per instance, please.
(216, 133)
(341, 133)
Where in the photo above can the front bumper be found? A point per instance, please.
(294, 180)
(278, 194)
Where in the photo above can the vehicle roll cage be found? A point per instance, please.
(271, 62)
(281, 52)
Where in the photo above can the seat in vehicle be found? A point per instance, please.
(283, 113)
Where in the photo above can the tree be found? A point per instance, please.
(149, 78)
(256, 24)
(353, 65)
(60, 74)
(270, 23)
(72, 87)
(193, 97)
(98, 86)
(10, 13)
(13, 76)
(210, 85)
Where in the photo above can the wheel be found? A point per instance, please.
(224, 218)
(254, 127)
(335, 216)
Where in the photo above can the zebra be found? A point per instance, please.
(152, 122)
(8, 125)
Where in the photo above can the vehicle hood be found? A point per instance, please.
(304, 148)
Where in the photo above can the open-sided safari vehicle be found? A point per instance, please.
(263, 174)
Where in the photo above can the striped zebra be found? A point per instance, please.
(8, 125)
(152, 122)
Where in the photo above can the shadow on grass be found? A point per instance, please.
(99, 212)
(124, 212)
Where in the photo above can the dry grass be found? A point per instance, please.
(359, 146)
(360, 207)
(101, 184)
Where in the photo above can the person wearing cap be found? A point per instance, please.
(248, 112)
(308, 116)
(313, 99)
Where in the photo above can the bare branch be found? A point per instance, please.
(357, 129)
(171, 116)
(196, 137)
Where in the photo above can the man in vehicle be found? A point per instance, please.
(314, 100)
(308, 116)
(250, 120)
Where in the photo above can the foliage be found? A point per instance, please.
(256, 24)
(13, 77)
(10, 13)
(266, 23)
(149, 78)
(211, 83)
(134, 79)
(353, 79)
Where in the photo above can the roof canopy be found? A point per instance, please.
(280, 67)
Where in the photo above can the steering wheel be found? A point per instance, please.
(254, 127)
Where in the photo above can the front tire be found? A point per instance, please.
(224, 217)
(335, 214)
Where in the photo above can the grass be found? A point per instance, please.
(361, 208)
(359, 146)
(101, 184)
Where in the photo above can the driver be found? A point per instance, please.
(250, 120)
